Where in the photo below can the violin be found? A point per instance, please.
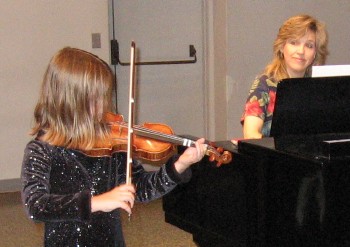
(153, 142)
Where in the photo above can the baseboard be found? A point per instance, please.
(10, 185)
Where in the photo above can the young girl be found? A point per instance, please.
(74, 194)
(301, 43)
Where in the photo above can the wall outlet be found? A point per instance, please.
(96, 40)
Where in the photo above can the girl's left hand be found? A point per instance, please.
(191, 155)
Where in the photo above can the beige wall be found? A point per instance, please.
(31, 31)
(233, 41)
(163, 30)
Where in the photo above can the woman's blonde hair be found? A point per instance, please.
(296, 27)
(76, 92)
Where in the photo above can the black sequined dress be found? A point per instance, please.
(58, 184)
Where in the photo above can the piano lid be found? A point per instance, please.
(306, 106)
(318, 148)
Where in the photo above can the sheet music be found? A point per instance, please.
(330, 70)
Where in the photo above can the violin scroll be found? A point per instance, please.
(219, 155)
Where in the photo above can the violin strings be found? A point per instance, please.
(151, 132)
(156, 133)
(174, 137)
(170, 137)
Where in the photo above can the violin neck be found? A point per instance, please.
(173, 139)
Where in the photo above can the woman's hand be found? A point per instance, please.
(191, 155)
(122, 196)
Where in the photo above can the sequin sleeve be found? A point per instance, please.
(153, 185)
(39, 201)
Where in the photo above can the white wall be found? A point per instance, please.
(163, 30)
(31, 32)
(191, 98)
(236, 46)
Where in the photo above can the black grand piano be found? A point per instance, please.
(292, 189)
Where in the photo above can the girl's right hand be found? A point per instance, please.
(122, 196)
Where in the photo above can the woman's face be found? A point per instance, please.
(299, 54)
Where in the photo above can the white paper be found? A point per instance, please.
(330, 70)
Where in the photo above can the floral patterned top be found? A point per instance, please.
(261, 102)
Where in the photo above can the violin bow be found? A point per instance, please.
(131, 115)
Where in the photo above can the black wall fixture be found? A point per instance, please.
(115, 57)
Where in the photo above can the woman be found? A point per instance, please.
(301, 43)
(74, 194)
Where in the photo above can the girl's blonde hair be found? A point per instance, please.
(76, 92)
(296, 27)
